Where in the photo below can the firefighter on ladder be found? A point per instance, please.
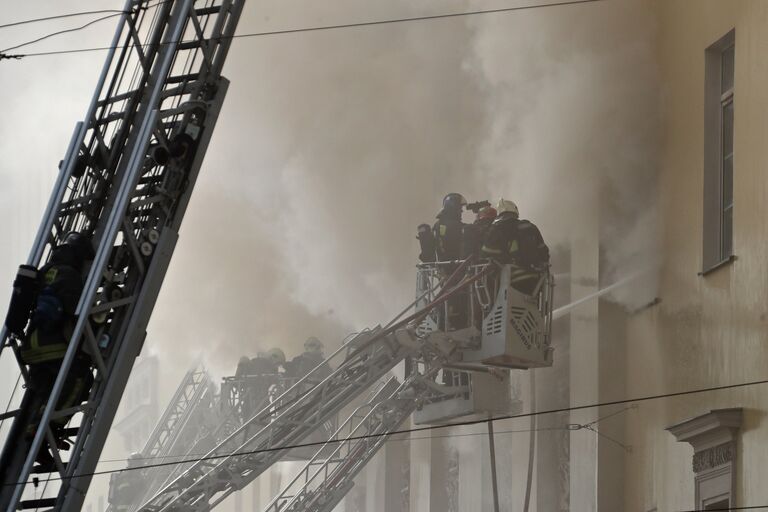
(517, 242)
(46, 300)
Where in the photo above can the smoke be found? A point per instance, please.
(331, 148)
(574, 125)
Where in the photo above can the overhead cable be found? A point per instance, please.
(419, 429)
(328, 27)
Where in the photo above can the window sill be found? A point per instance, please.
(717, 266)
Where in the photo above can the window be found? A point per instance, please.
(718, 156)
(714, 437)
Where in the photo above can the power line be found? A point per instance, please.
(76, 29)
(752, 507)
(565, 427)
(61, 16)
(407, 439)
(65, 31)
(326, 27)
(420, 429)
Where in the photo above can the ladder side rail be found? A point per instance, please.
(165, 424)
(200, 401)
(293, 423)
(187, 396)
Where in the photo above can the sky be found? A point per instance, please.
(333, 146)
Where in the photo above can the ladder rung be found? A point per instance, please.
(69, 432)
(189, 45)
(45, 470)
(205, 11)
(33, 504)
(182, 78)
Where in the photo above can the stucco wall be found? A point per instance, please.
(708, 330)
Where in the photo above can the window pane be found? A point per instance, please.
(727, 69)
(727, 234)
(727, 113)
(728, 182)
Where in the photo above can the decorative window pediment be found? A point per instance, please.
(713, 436)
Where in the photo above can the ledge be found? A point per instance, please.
(714, 428)
(730, 259)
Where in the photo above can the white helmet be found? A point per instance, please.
(276, 355)
(507, 206)
(313, 345)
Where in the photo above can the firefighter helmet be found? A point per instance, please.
(507, 206)
(276, 355)
(313, 345)
(488, 213)
(80, 243)
(454, 201)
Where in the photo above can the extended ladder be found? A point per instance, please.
(126, 181)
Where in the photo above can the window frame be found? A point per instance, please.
(718, 183)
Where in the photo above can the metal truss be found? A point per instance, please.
(183, 422)
(324, 481)
(126, 181)
(300, 411)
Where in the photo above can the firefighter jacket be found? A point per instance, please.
(518, 241)
(304, 363)
(474, 236)
(60, 284)
(448, 232)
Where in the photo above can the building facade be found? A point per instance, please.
(706, 450)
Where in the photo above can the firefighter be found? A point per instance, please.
(427, 243)
(59, 285)
(518, 242)
(448, 230)
(312, 357)
(127, 486)
(474, 234)
(255, 377)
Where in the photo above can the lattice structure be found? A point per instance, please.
(296, 414)
(126, 181)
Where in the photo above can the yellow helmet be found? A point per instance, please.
(507, 206)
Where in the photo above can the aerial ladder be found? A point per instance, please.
(427, 344)
(185, 420)
(125, 182)
(519, 322)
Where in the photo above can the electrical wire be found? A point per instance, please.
(114, 14)
(752, 507)
(419, 429)
(65, 31)
(62, 16)
(404, 439)
(327, 27)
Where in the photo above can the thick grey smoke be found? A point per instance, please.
(331, 148)
(573, 104)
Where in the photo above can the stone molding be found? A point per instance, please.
(711, 430)
(713, 457)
